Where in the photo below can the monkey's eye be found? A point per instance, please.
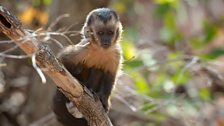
(100, 32)
(110, 32)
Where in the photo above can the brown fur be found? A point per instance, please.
(94, 56)
(94, 62)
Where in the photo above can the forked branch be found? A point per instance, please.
(83, 99)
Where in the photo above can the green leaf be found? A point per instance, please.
(215, 53)
(162, 9)
(197, 42)
(210, 31)
(148, 106)
(129, 50)
(204, 94)
(169, 33)
(166, 1)
(181, 77)
(170, 20)
(47, 2)
(130, 64)
(140, 83)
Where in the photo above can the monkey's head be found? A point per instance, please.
(102, 27)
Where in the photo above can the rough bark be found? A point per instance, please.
(84, 100)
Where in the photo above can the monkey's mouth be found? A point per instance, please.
(105, 45)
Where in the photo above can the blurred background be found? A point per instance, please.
(173, 70)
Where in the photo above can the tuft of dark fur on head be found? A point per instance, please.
(103, 14)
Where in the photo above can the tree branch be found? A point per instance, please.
(84, 100)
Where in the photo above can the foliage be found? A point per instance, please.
(162, 80)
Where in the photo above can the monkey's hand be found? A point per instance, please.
(105, 102)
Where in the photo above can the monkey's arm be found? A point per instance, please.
(73, 53)
(70, 56)
(106, 88)
(95, 76)
(67, 57)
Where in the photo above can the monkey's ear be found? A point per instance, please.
(86, 32)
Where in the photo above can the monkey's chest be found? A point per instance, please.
(103, 60)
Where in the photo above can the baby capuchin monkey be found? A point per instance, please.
(95, 61)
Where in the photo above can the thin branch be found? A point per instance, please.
(6, 41)
(14, 56)
(194, 60)
(9, 50)
(125, 102)
(57, 42)
(43, 78)
(56, 21)
(53, 33)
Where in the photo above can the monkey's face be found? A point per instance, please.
(104, 26)
(105, 36)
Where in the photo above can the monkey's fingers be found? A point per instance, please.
(105, 102)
